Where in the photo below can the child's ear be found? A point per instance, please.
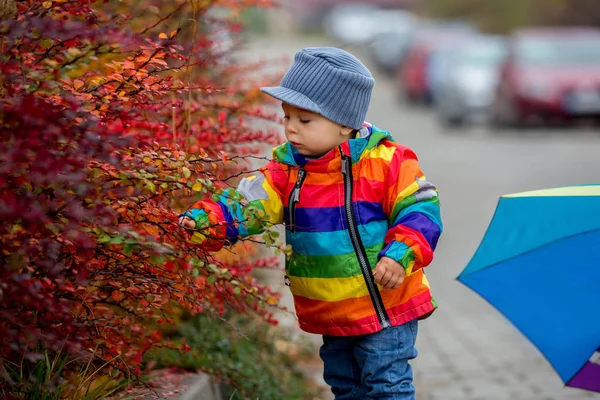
(345, 131)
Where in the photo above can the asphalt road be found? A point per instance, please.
(468, 350)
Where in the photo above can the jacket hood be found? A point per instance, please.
(368, 138)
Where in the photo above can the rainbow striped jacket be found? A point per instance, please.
(363, 200)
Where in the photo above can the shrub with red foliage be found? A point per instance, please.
(108, 124)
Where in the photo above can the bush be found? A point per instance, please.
(108, 124)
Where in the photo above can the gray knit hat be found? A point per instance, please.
(328, 81)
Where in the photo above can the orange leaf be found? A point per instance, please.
(151, 229)
(163, 35)
(78, 84)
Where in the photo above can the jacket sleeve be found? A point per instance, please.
(413, 209)
(233, 214)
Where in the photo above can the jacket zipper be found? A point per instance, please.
(294, 198)
(359, 248)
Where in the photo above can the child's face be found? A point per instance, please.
(312, 134)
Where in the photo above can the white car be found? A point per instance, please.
(472, 79)
(351, 23)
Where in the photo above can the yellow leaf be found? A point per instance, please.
(174, 33)
(163, 35)
(96, 80)
(151, 187)
(78, 84)
(186, 172)
(47, 4)
(272, 300)
(74, 51)
(197, 187)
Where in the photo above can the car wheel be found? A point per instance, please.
(405, 97)
(451, 121)
(454, 122)
(504, 115)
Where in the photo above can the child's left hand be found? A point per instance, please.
(389, 273)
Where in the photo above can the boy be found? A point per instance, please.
(360, 217)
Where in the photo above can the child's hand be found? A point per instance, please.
(389, 273)
(187, 222)
(196, 220)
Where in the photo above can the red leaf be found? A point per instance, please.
(117, 296)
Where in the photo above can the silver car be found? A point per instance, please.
(389, 47)
(473, 73)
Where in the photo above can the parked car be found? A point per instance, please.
(413, 77)
(473, 73)
(389, 47)
(439, 62)
(364, 23)
(351, 23)
(549, 74)
(310, 13)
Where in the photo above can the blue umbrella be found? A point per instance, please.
(539, 265)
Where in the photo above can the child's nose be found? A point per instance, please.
(290, 128)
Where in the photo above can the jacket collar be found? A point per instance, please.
(368, 138)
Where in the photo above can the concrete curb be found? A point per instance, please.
(201, 387)
(189, 386)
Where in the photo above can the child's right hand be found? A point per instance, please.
(187, 222)
(389, 273)
(195, 220)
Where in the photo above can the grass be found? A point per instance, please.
(254, 361)
(49, 376)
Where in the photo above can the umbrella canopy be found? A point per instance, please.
(539, 265)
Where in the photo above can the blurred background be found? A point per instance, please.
(505, 63)
(495, 97)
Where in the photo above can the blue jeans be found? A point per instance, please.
(372, 366)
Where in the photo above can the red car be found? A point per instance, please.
(414, 76)
(549, 74)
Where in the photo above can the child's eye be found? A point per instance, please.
(285, 118)
(304, 121)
